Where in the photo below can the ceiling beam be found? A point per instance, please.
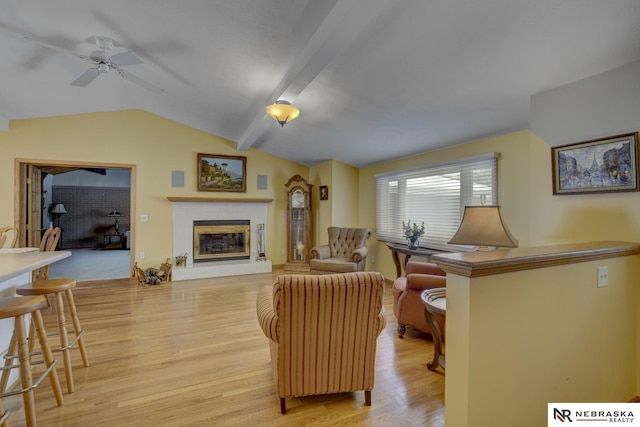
(343, 23)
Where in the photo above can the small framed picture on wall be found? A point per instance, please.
(324, 192)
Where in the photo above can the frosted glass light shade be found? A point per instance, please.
(483, 226)
(282, 112)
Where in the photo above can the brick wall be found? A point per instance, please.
(86, 221)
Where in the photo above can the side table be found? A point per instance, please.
(435, 304)
(113, 241)
(397, 249)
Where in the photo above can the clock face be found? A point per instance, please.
(297, 199)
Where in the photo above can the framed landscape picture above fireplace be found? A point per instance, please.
(217, 172)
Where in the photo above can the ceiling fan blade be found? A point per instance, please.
(86, 78)
(19, 35)
(96, 40)
(125, 58)
(137, 80)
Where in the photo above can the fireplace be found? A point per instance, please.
(187, 210)
(217, 240)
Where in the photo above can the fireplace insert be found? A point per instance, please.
(216, 240)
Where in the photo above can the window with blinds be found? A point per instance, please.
(436, 195)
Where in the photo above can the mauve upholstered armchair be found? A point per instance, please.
(322, 332)
(346, 252)
(407, 304)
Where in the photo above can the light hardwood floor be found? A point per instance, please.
(192, 353)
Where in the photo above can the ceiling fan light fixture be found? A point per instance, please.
(282, 112)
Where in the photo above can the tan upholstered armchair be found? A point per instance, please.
(407, 305)
(346, 252)
(322, 332)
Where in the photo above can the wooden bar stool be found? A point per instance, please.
(17, 307)
(56, 288)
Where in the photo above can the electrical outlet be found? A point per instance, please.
(284, 252)
(144, 217)
(603, 276)
(373, 259)
(141, 255)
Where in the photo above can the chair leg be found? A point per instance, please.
(32, 337)
(401, 330)
(77, 327)
(64, 341)
(4, 380)
(26, 380)
(47, 355)
(283, 406)
(367, 397)
(4, 417)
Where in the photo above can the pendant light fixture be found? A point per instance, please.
(282, 112)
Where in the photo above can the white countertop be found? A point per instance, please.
(14, 264)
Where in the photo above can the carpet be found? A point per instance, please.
(93, 264)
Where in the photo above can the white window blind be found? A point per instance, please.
(436, 195)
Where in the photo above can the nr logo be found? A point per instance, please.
(562, 415)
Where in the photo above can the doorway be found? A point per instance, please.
(85, 206)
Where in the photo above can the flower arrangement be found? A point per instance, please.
(412, 232)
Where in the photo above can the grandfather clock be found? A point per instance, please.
(298, 225)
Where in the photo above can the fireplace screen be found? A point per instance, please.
(221, 240)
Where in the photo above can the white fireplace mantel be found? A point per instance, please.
(189, 209)
(217, 200)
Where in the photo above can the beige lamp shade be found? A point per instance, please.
(282, 112)
(483, 226)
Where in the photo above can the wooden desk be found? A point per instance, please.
(397, 249)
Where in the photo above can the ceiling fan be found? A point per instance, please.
(101, 59)
(104, 63)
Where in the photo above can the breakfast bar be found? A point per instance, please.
(20, 261)
(16, 266)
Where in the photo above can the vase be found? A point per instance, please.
(413, 242)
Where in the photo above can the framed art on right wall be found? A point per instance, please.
(602, 165)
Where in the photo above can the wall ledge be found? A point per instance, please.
(474, 264)
(217, 200)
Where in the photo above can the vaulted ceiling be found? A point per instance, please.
(374, 79)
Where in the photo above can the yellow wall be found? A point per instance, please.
(345, 204)
(517, 341)
(321, 174)
(575, 218)
(513, 185)
(341, 210)
(156, 146)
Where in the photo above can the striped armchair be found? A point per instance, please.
(322, 331)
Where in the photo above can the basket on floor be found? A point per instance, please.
(153, 276)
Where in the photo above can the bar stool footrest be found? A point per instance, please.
(34, 385)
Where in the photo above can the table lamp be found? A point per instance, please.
(115, 214)
(484, 227)
(57, 211)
